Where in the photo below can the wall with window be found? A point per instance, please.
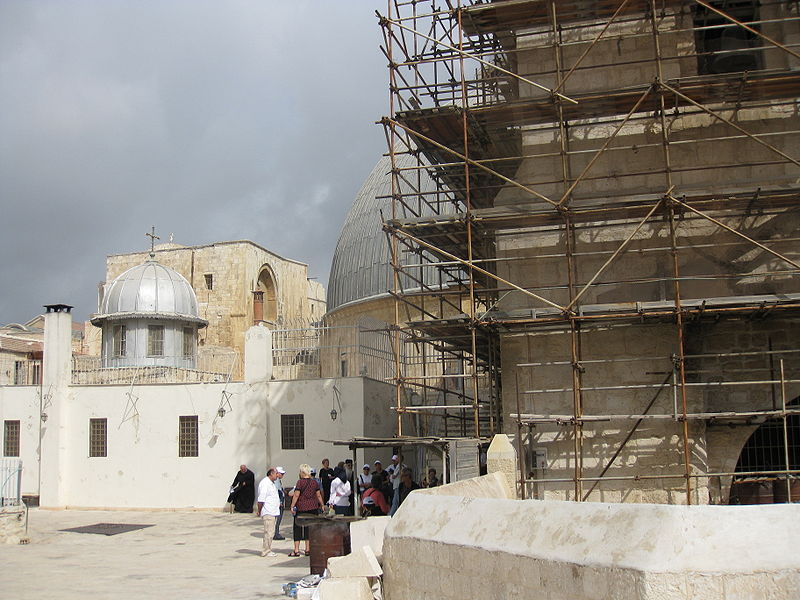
(170, 446)
(21, 405)
(302, 415)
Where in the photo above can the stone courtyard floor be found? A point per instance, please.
(184, 555)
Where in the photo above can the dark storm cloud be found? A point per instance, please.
(213, 120)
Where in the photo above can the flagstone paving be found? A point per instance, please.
(183, 555)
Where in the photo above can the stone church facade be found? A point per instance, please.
(225, 276)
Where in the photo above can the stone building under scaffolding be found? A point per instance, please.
(616, 204)
(357, 338)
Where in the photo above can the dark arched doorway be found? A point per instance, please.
(266, 283)
(771, 448)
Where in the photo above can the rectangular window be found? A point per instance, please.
(98, 437)
(187, 436)
(119, 345)
(155, 340)
(11, 438)
(36, 373)
(209, 281)
(188, 341)
(292, 432)
(19, 372)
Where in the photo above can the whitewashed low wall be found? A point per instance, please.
(440, 546)
(22, 403)
(142, 468)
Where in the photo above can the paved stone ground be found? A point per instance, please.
(184, 555)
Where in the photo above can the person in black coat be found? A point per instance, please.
(243, 491)
(326, 477)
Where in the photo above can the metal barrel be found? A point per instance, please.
(328, 538)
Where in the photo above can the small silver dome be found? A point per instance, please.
(361, 266)
(149, 290)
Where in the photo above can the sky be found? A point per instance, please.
(212, 121)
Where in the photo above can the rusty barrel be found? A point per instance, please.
(329, 536)
(328, 539)
(751, 491)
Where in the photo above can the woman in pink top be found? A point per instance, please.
(306, 499)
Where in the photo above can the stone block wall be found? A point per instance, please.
(734, 358)
(729, 366)
(12, 524)
(641, 363)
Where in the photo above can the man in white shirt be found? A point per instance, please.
(364, 480)
(395, 469)
(269, 507)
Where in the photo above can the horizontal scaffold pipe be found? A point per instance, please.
(569, 419)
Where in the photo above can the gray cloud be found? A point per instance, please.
(212, 120)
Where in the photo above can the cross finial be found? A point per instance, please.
(153, 237)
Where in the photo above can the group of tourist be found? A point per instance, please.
(382, 492)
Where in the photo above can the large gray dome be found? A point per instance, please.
(149, 290)
(361, 266)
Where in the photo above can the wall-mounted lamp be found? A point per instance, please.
(44, 417)
(334, 414)
(221, 412)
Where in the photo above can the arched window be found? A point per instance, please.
(767, 450)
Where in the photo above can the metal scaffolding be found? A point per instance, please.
(532, 130)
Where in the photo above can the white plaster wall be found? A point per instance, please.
(362, 408)
(439, 546)
(143, 469)
(314, 398)
(21, 403)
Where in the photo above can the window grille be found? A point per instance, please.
(188, 341)
(120, 343)
(98, 437)
(187, 436)
(723, 47)
(11, 438)
(155, 340)
(292, 432)
(19, 373)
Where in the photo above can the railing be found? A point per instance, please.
(208, 367)
(15, 371)
(344, 351)
(10, 482)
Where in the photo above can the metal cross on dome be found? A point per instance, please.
(153, 237)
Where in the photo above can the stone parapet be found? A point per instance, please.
(439, 546)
